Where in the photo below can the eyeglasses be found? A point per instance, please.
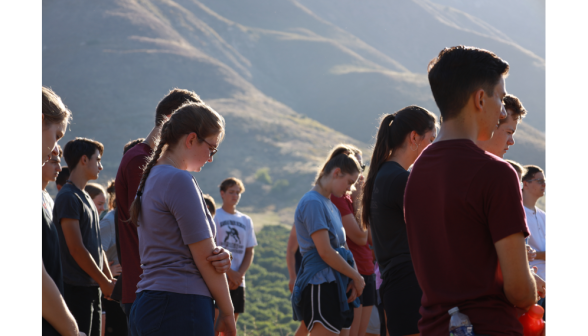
(540, 181)
(212, 150)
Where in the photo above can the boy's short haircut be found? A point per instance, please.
(63, 176)
(94, 189)
(232, 181)
(459, 71)
(172, 101)
(132, 144)
(531, 170)
(210, 204)
(517, 166)
(514, 105)
(75, 149)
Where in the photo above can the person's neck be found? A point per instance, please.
(232, 209)
(321, 190)
(402, 157)
(464, 126)
(153, 135)
(173, 159)
(78, 178)
(45, 183)
(529, 201)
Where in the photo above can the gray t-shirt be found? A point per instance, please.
(108, 236)
(74, 203)
(173, 215)
(316, 212)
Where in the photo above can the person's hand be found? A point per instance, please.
(291, 284)
(540, 283)
(116, 270)
(225, 325)
(359, 284)
(353, 294)
(107, 288)
(531, 253)
(221, 259)
(235, 279)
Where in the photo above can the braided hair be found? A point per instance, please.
(190, 117)
(391, 135)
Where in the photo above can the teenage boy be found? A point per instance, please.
(503, 136)
(533, 190)
(126, 184)
(86, 274)
(50, 172)
(234, 231)
(463, 208)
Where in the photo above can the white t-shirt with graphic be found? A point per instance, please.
(536, 224)
(235, 233)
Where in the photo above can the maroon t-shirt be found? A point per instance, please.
(459, 201)
(361, 254)
(126, 184)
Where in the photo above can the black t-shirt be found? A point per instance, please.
(387, 217)
(51, 261)
(74, 203)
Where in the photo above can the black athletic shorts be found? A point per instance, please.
(368, 296)
(320, 304)
(401, 297)
(238, 298)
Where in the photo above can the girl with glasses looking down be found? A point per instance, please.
(177, 287)
(401, 138)
(328, 283)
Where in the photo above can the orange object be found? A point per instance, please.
(532, 321)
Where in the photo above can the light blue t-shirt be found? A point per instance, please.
(316, 212)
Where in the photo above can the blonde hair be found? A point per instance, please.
(190, 117)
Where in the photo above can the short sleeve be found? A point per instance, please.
(251, 240)
(186, 205)
(314, 217)
(342, 203)
(502, 200)
(67, 205)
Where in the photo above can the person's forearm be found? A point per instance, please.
(54, 308)
(247, 261)
(84, 259)
(217, 283)
(540, 255)
(291, 264)
(336, 262)
(106, 267)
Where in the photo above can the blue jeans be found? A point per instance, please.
(167, 313)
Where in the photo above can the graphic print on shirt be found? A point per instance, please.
(232, 240)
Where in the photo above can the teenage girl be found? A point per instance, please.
(177, 233)
(319, 295)
(401, 138)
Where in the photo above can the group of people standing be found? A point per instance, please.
(178, 278)
(451, 223)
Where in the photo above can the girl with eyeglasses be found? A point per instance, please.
(402, 136)
(176, 233)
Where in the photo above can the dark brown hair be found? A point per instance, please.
(517, 166)
(63, 176)
(514, 105)
(232, 181)
(459, 71)
(342, 157)
(132, 144)
(110, 190)
(190, 117)
(172, 101)
(54, 110)
(531, 170)
(75, 149)
(210, 204)
(94, 189)
(392, 133)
